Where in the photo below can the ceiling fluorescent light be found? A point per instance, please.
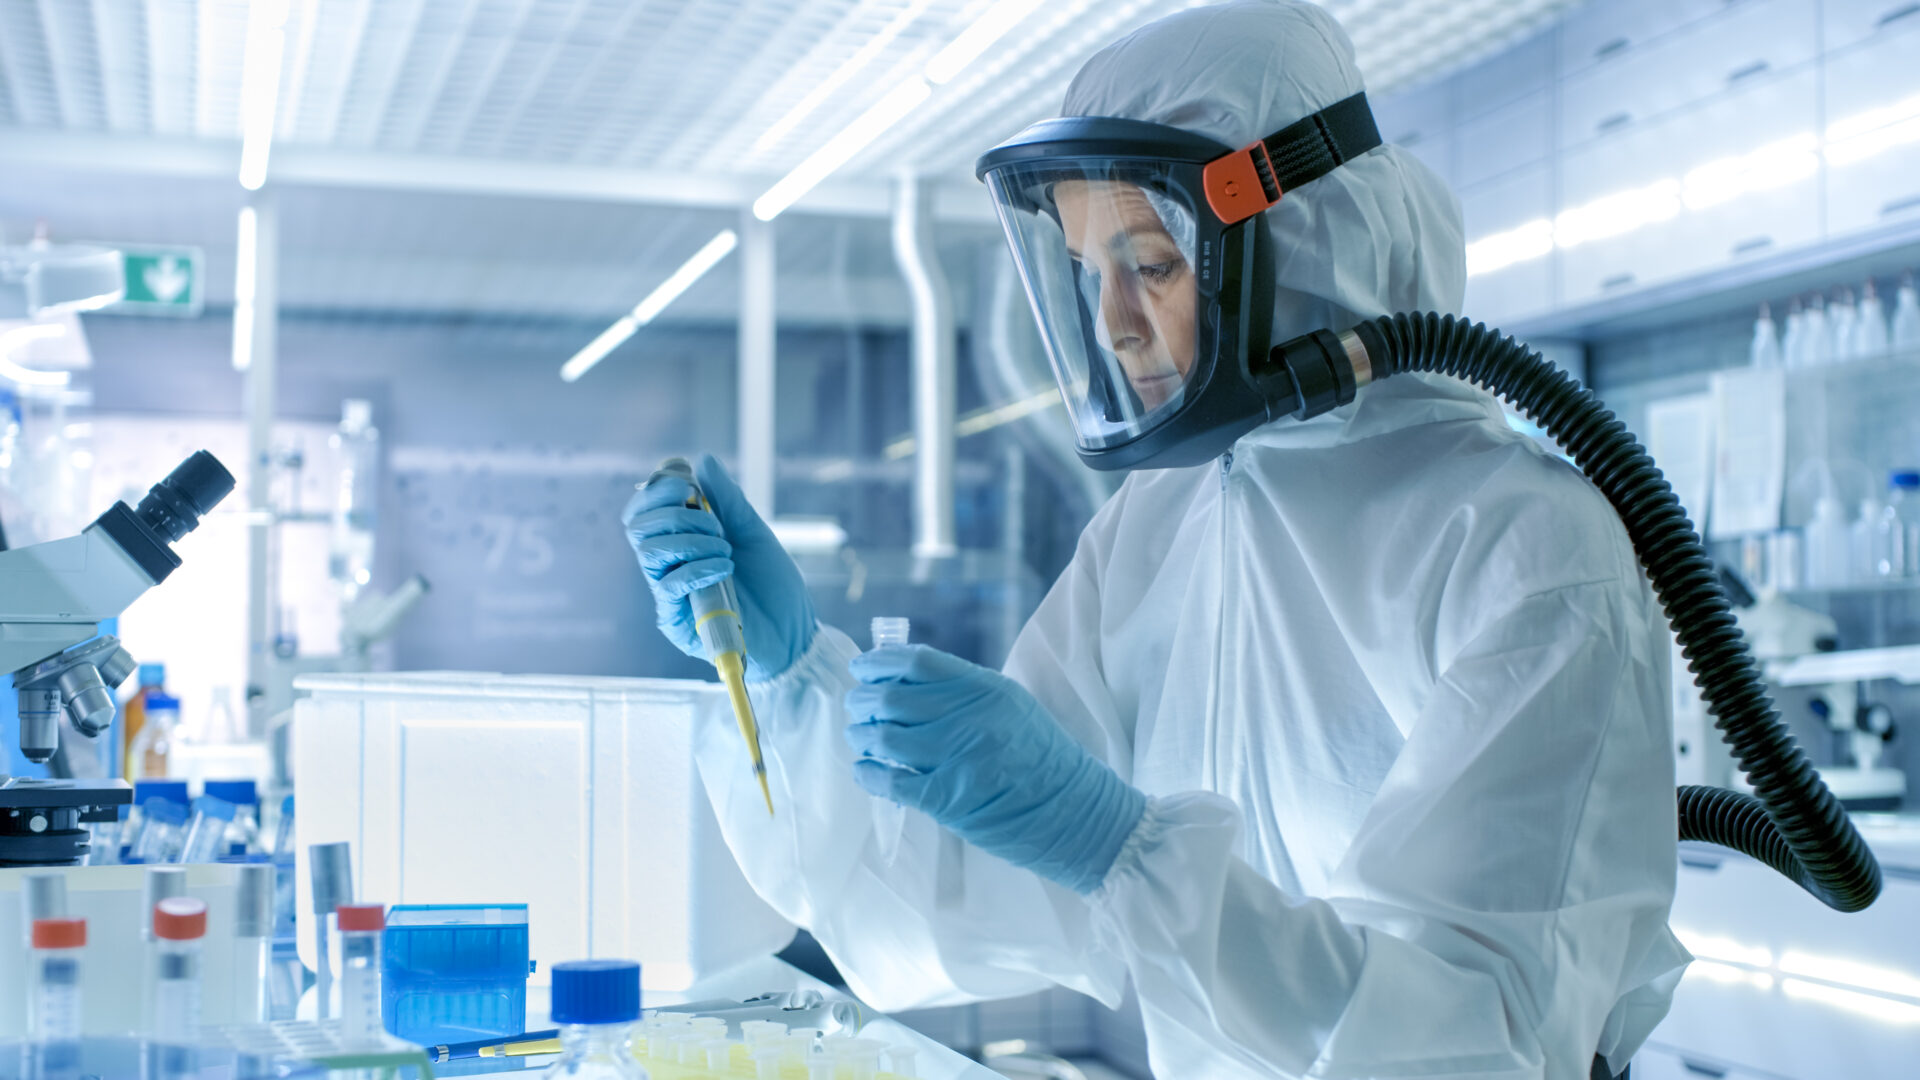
(656, 301)
(827, 86)
(245, 280)
(976, 39)
(260, 87)
(838, 150)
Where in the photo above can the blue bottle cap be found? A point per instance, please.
(213, 807)
(1906, 479)
(596, 992)
(174, 791)
(164, 811)
(237, 792)
(286, 805)
(153, 674)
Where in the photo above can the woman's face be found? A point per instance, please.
(1145, 288)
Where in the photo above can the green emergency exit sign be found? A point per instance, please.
(162, 281)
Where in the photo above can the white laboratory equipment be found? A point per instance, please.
(596, 1004)
(1765, 350)
(1871, 334)
(1904, 332)
(1826, 542)
(577, 796)
(53, 976)
(360, 928)
(179, 927)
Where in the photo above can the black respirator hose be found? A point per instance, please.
(1794, 825)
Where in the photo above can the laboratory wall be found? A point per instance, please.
(503, 485)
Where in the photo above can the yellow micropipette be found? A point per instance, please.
(716, 615)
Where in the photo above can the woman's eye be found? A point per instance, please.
(1161, 271)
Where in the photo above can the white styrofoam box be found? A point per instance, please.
(113, 965)
(575, 796)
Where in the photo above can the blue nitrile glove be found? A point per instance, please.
(682, 550)
(973, 750)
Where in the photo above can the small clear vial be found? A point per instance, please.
(162, 832)
(890, 630)
(283, 829)
(889, 817)
(900, 1061)
(179, 929)
(361, 926)
(53, 979)
(103, 840)
(206, 838)
(253, 944)
(243, 835)
(596, 1004)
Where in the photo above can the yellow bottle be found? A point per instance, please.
(133, 716)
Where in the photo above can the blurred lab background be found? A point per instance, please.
(495, 259)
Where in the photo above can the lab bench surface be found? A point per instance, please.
(932, 1061)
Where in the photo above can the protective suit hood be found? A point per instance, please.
(1381, 234)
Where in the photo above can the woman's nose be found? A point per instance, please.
(1123, 316)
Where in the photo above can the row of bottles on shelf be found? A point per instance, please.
(1818, 332)
(166, 825)
(1881, 544)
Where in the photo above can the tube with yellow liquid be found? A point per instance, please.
(716, 617)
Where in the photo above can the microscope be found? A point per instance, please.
(52, 597)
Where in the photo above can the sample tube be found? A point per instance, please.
(206, 838)
(252, 945)
(754, 1032)
(889, 817)
(361, 926)
(283, 831)
(103, 840)
(766, 1060)
(179, 925)
(718, 1054)
(53, 979)
(244, 832)
(43, 896)
(162, 832)
(900, 1061)
(332, 881)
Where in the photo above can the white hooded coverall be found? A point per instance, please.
(1391, 678)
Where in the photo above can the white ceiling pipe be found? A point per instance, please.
(934, 393)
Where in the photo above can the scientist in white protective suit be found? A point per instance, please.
(1345, 740)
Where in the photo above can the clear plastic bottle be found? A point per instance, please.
(206, 837)
(1843, 324)
(361, 926)
(1905, 501)
(596, 1003)
(1874, 550)
(283, 829)
(1764, 353)
(243, 834)
(179, 927)
(1871, 334)
(1793, 338)
(252, 943)
(53, 979)
(1905, 331)
(357, 447)
(163, 832)
(222, 727)
(1826, 545)
(103, 839)
(1819, 343)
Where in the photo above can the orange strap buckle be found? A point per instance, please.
(1241, 184)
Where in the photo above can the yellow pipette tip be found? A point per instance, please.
(733, 673)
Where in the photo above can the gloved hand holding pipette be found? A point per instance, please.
(739, 604)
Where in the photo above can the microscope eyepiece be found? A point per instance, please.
(175, 505)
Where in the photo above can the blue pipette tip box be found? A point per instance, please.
(454, 972)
